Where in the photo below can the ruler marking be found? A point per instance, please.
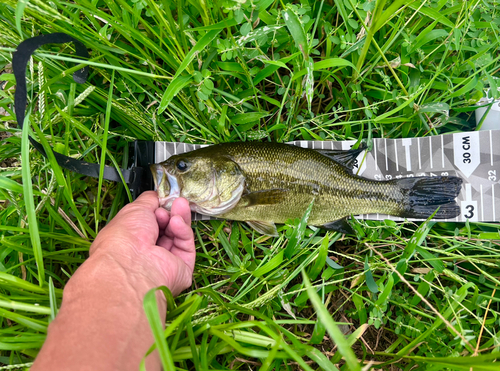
(164, 151)
(493, 199)
(396, 153)
(468, 192)
(375, 152)
(386, 157)
(406, 145)
(482, 203)
(322, 145)
(442, 151)
(430, 152)
(419, 157)
(491, 148)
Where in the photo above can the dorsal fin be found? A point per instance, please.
(345, 158)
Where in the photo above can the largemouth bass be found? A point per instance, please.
(267, 183)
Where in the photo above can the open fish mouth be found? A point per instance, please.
(175, 192)
(166, 186)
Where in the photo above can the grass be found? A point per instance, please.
(209, 72)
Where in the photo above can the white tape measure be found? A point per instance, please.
(474, 156)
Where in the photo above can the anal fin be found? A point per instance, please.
(267, 228)
(341, 225)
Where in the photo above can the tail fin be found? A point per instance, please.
(424, 195)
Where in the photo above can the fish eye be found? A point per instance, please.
(182, 165)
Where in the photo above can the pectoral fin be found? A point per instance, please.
(341, 225)
(344, 158)
(266, 197)
(266, 228)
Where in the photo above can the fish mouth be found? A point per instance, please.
(166, 185)
(175, 192)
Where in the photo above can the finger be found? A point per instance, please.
(179, 241)
(145, 204)
(188, 258)
(181, 207)
(148, 200)
(143, 207)
(135, 220)
(181, 233)
(162, 217)
(183, 240)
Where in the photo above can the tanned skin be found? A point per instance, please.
(101, 324)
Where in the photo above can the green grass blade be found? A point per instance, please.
(309, 83)
(431, 13)
(11, 304)
(296, 29)
(332, 62)
(200, 45)
(387, 291)
(10, 281)
(53, 300)
(24, 320)
(319, 263)
(321, 359)
(153, 316)
(9, 184)
(104, 146)
(30, 203)
(192, 344)
(270, 265)
(370, 282)
(21, 5)
(173, 88)
(293, 244)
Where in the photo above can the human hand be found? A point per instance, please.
(147, 240)
(101, 324)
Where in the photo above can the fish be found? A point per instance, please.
(266, 183)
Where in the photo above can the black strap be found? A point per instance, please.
(19, 62)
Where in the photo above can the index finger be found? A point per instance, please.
(148, 200)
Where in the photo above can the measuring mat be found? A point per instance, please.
(473, 156)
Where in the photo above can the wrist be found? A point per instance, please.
(101, 324)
